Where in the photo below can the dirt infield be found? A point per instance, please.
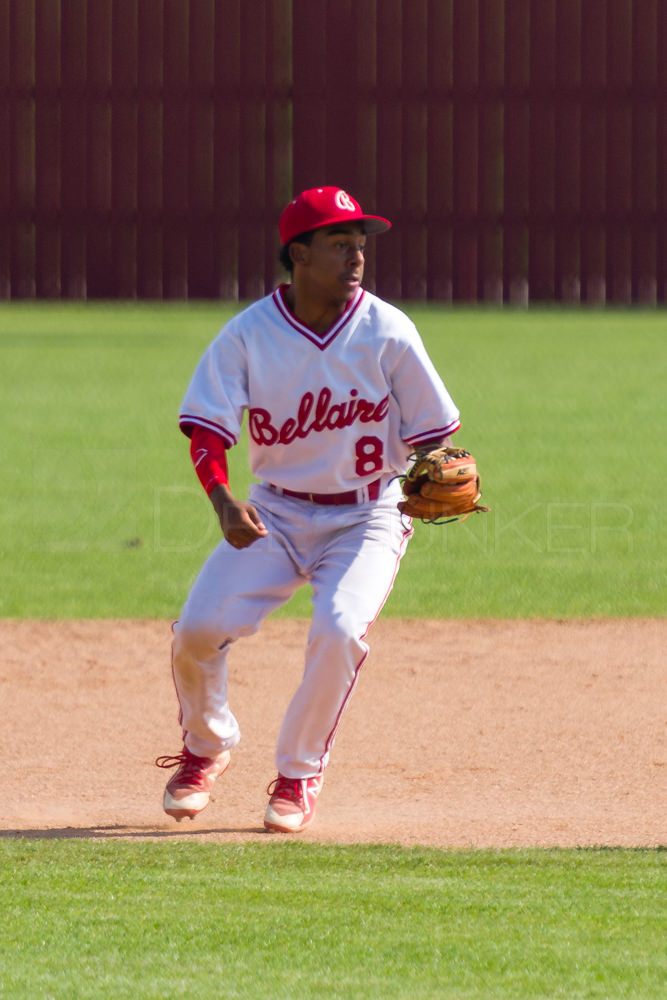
(522, 734)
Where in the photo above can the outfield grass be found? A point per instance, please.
(290, 920)
(565, 410)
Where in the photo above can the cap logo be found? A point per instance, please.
(343, 201)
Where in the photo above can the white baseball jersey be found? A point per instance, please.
(326, 414)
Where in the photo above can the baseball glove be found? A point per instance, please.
(441, 485)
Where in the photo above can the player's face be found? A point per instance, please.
(334, 262)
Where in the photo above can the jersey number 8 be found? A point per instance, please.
(369, 455)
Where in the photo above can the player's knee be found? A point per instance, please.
(204, 635)
(198, 637)
(342, 631)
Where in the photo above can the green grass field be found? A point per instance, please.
(102, 516)
(291, 921)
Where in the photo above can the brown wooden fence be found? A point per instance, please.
(520, 146)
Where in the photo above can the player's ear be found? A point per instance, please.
(298, 252)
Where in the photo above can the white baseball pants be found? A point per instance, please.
(350, 555)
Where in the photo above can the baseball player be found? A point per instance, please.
(338, 391)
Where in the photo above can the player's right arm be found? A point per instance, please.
(240, 523)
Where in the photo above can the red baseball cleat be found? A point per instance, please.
(189, 791)
(292, 803)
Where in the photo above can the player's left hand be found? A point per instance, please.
(442, 485)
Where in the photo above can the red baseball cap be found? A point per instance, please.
(324, 206)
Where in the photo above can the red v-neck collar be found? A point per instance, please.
(320, 341)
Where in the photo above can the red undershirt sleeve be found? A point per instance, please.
(208, 454)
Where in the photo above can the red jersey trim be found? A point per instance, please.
(187, 422)
(434, 433)
(305, 331)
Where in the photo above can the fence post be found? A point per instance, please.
(516, 152)
(568, 151)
